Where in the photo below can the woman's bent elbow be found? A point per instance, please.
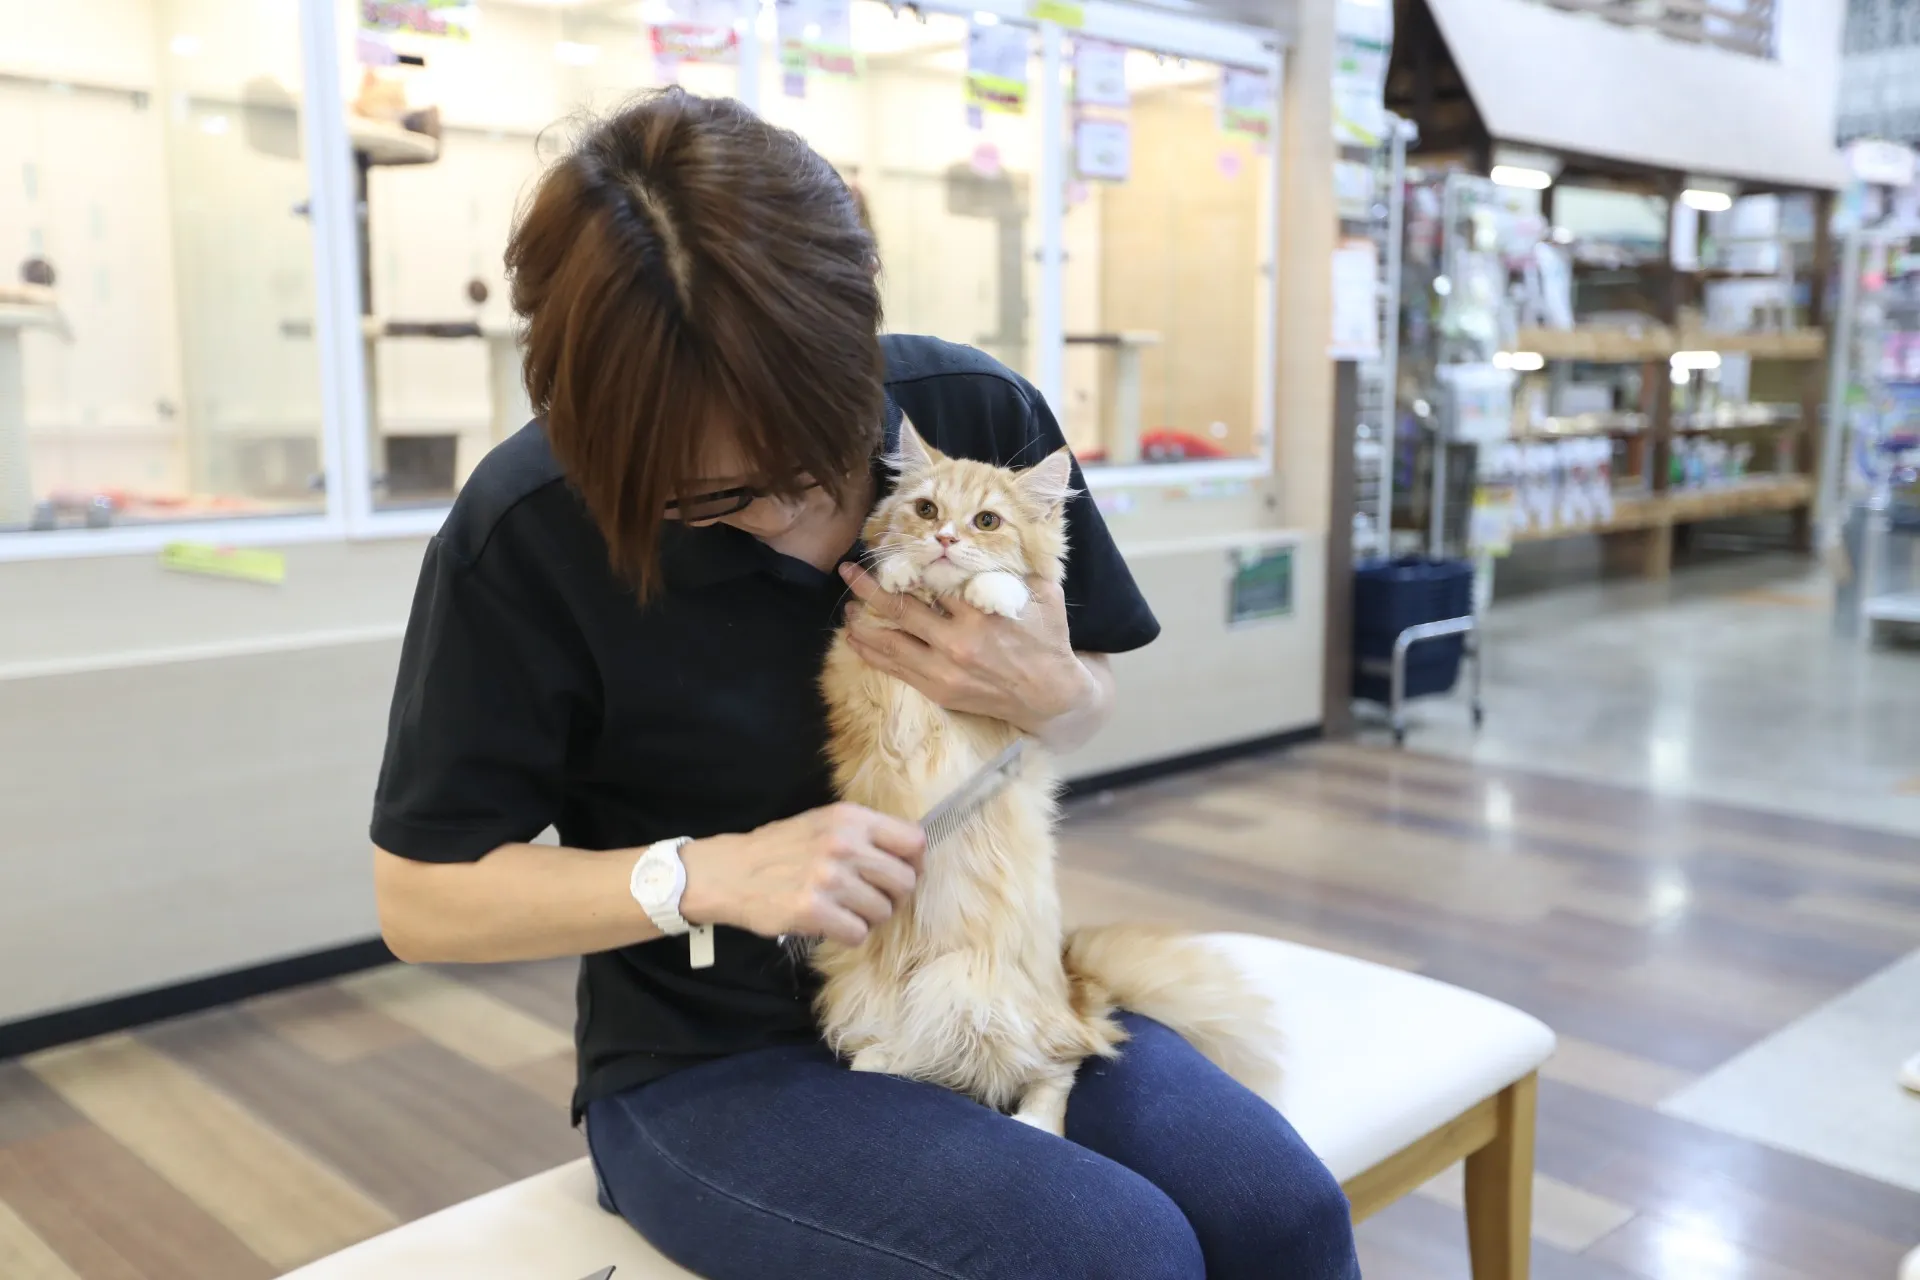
(399, 922)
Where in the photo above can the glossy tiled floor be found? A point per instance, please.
(1662, 937)
(1724, 684)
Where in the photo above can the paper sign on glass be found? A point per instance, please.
(1246, 102)
(997, 68)
(1099, 73)
(1103, 149)
(1356, 301)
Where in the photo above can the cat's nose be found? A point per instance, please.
(946, 539)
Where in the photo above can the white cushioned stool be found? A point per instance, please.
(1391, 1078)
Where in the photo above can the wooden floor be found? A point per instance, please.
(1659, 937)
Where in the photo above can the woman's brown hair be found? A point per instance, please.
(688, 267)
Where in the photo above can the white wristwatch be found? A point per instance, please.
(658, 880)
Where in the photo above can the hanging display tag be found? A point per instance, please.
(700, 31)
(790, 24)
(830, 46)
(997, 68)
(1363, 37)
(448, 19)
(1246, 102)
(1356, 301)
(1102, 149)
(1063, 12)
(1099, 73)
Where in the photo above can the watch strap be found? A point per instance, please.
(666, 917)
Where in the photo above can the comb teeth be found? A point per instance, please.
(944, 826)
(952, 813)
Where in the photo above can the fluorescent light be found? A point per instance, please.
(984, 19)
(184, 46)
(1528, 361)
(215, 125)
(1508, 175)
(575, 54)
(1561, 235)
(1706, 201)
(1695, 360)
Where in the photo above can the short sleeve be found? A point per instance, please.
(482, 711)
(1105, 611)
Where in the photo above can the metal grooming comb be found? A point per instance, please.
(964, 800)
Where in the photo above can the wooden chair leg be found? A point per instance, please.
(1500, 1190)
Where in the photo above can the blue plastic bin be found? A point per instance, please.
(1391, 595)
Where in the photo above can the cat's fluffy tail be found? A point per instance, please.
(1176, 979)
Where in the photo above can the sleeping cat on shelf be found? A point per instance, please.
(973, 983)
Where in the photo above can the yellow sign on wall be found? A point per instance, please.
(247, 564)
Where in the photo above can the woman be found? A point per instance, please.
(617, 634)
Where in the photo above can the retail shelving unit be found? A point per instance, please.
(1374, 210)
(1646, 514)
(1659, 362)
(1870, 501)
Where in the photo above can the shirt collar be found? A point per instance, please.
(715, 553)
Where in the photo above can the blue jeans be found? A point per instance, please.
(782, 1162)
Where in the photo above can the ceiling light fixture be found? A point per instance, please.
(1510, 175)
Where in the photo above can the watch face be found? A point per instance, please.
(656, 880)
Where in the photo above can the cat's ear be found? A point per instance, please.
(911, 453)
(1049, 483)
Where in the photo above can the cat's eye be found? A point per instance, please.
(925, 509)
(986, 520)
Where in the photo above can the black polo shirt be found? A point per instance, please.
(535, 691)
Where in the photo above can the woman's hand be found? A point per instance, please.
(1021, 670)
(835, 872)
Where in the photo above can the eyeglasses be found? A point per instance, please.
(704, 507)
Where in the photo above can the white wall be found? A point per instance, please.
(190, 762)
(1576, 83)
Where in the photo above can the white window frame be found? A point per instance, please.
(349, 513)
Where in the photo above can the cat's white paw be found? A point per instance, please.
(997, 592)
(872, 1058)
(1044, 1119)
(896, 574)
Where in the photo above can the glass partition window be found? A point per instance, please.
(443, 370)
(950, 196)
(1167, 295)
(187, 227)
(156, 265)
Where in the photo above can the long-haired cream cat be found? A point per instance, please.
(972, 983)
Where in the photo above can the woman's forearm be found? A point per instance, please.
(1077, 727)
(520, 902)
